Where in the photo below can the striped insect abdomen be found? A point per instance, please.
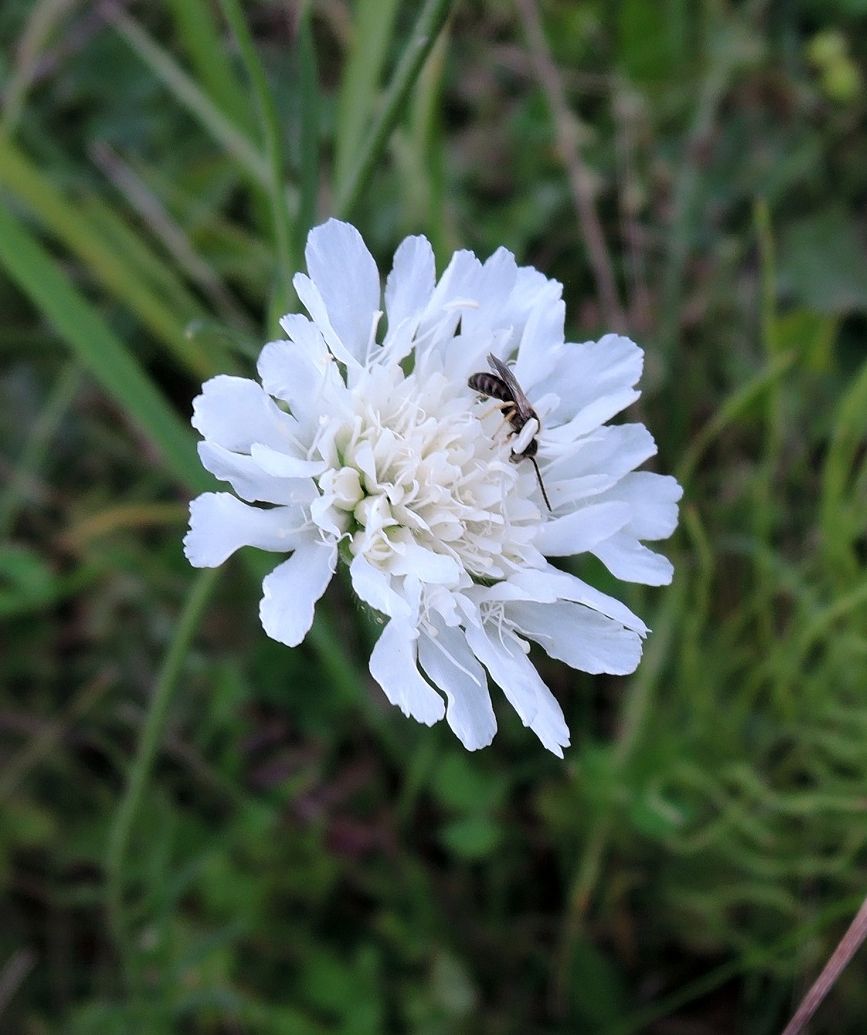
(490, 385)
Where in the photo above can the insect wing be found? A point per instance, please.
(522, 403)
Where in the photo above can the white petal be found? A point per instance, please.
(582, 529)
(627, 559)
(592, 416)
(653, 499)
(512, 670)
(290, 592)
(234, 412)
(248, 479)
(541, 342)
(584, 639)
(491, 294)
(346, 276)
(453, 296)
(306, 378)
(220, 524)
(411, 281)
(614, 450)
(393, 666)
(282, 464)
(308, 295)
(426, 565)
(375, 588)
(593, 370)
(451, 665)
(550, 584)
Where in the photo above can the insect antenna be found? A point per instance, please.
(532, 460)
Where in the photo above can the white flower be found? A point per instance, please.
(410, 478)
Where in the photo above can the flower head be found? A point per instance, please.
(371, 448)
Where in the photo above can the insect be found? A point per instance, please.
(517, 410)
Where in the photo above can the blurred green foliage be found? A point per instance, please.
(304, 859)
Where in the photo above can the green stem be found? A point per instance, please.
(431, 20)
(273, 154)
(149, 741)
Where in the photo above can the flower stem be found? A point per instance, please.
(432, 18)
(148, 744)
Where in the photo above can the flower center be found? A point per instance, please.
(424, 466)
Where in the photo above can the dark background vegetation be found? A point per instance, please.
(303, 858)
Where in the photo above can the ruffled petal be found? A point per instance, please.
(453, 296)
(393, 666)
(234, 412)
(592, 371)
(282, 464)
(652, 499)
(582, 529)
(220, 524)
(347, 279)
(451, 666)
(591, 416)
(492, 289)
(302, 374)
(290, 592)
(248, 479)
(375, 588)
(549, 584)
(584, 639)
(609, 452)
(513, 672)
(410, 283)
(627, 559)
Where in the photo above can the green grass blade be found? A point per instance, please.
(198, 31)
(66, 221)
(44, 16)
(190, 95)
(309, 102)
(422, 38)
(100, 351)
(372, 30)
(274, 155)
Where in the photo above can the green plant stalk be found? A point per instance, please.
(149, 740)
(273, 155)
(422, 38)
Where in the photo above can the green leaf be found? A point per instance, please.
(459, 784)
(823, 263)
(473, 837)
